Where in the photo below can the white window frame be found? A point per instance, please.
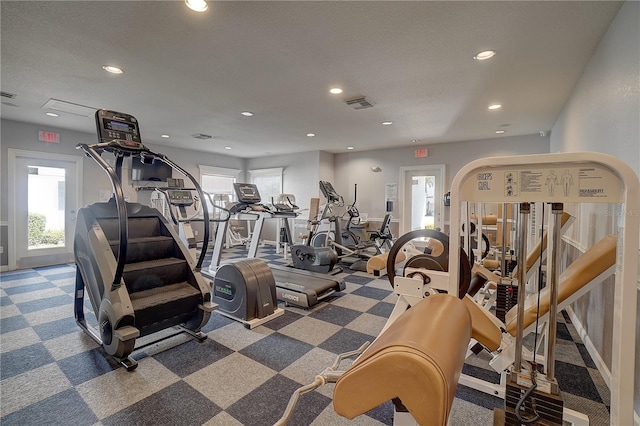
(270, 172)
(220, 172)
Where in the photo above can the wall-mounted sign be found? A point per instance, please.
(48, 137)
(421, 153)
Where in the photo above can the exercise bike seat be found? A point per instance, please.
(418, 359)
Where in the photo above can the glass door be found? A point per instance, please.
(45, 197)
(422, 191)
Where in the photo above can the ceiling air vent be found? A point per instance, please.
(69, 107)
(360, 102)
(8, 95)
(201, 136)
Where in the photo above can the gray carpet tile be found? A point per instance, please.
(24, 359)
(63, 408)
(382, 309)
(87, 365)
(17, 322)
(53, 373)
(276, 351)
(199, 355)
(177, 404)
(262, 405)
(335, 314)
(41, 304)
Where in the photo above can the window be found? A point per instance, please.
(218, 182)
(269, 183)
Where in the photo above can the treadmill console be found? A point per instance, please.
(329, 193)
(118, 128)
(247, 193)
(179, 197)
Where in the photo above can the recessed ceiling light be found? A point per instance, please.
(51, 114)
(349, 147)
(495, 106)
(197, 5)
(164, 136)
(335, 90)
(484, 55)
(112, 69)
(247, 113)
(499, 132)
(227, 147)
(415, 140)
(387, 123)
(311, 134)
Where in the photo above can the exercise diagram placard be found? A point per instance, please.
(561, 183)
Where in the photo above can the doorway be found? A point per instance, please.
(421, 192)
(44, 194)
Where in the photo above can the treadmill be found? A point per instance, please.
(294, 286)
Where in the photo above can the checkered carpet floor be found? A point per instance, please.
(52, 373)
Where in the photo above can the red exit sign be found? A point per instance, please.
(48, 137)
(421, 153)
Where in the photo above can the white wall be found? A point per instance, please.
(326, 171)
(603, 115)
(300, 173)
(355, 167)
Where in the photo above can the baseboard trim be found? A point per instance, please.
(595, 356)
(4, 268)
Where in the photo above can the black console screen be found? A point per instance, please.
(119, 126)
(247, 193)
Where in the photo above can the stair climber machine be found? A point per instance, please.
(292, 286)
(130, 261)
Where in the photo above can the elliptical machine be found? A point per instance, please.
(319, 258)
(349, 247)
(130, 261)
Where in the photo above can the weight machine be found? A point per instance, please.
(598, 178)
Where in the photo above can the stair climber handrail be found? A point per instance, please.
(91, 151)
(201, 194)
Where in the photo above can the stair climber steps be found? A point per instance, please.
(156, 273)
(138, 227)
(146, 248)
(173, 303)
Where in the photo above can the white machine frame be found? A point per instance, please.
(483, 181)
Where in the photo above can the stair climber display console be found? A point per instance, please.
(131, 263)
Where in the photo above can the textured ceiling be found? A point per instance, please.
(188, 73)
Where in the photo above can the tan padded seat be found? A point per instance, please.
(490, 219)
(378, 262)
(534, 254)
(418, 359)
(484, 273)
(483, 329)
(583, 270)
(491, 263)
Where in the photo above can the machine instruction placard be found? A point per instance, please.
(543, 182)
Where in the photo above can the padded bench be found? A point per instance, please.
(418, 359)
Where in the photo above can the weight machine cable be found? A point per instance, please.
(534, 365)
